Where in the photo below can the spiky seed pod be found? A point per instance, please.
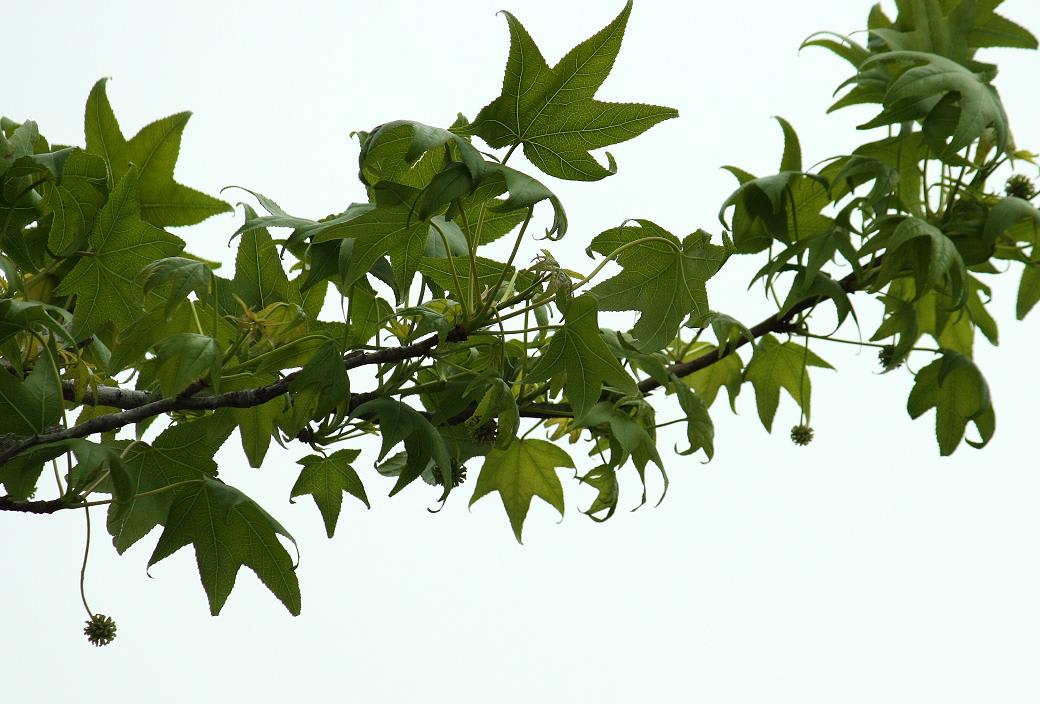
(458, 475)
(1020, 186)
(100, 630)
(802, 435)
(887, 357)
(485, 434)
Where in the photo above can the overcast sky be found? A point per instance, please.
(863, 568)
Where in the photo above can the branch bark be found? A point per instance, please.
(38, 507)
(188, 400)
(141, 405)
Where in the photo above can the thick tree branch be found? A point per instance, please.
(773, 324)
(141, 405)
(233, 399)
(39, 507)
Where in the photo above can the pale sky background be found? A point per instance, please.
(863, 568)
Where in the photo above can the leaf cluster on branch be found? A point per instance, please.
(387, 318)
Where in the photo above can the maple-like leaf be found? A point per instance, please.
(552, 111)
(527, 468)
(121, 244)
(181, 453)
(928, 80)
(391, 229)
(31, 405)
(661, 278)
(777, 365)
(228, 530)
(153, 150)
(726, 373)
(955, 388)
(326, 479)
(577, 351)
(422, 443)
(954, 30)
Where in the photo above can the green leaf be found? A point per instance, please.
(23, 316)
(1028, 291)
(181, 453)
(228, 530)
(700, 431)
(153, 150)
(422, 442)
(955, 388)
(68, 231)
(411, 154)
(21, 473)
(21, 143)
(784, 206)
(121, 245)
(526, 469)
(186, 357)
(552, 111)
(439, 271)
(326, 479)
(663, 280)
(526, 192)
(320, 387)
(256, 424)
(151, 328)
(919, 88)
(484, 212)
(726, 373)
(604, 479)
(260, 279)
(627, 439)
(777, 365)
(378, 232)
(577, 351)
(183, 274)
(31, 405)
(917, 246)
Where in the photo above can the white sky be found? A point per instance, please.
(861, 569)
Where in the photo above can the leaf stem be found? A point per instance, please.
(509, 262)
(195, 316)
(860, 343)
(471, 246)
(454, 274)
(83, 567)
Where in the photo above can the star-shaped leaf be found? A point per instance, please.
(121, 244)
(422, 442)
(181, 453)
(952, 29)
(726, 373)
(955, 388)
(661, 278)
(777, 365)
(527, 468)
(577, 351)
(31, 405)
(228, 530)
(154, 149)
(326, 479)
(393, 230)
(260, 279)
(928, 80)
(552, 111)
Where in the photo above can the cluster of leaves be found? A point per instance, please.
(106, 321)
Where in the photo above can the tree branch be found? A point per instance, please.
(140, 405)
(774, 323)
(39, 507)
(232, 399)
